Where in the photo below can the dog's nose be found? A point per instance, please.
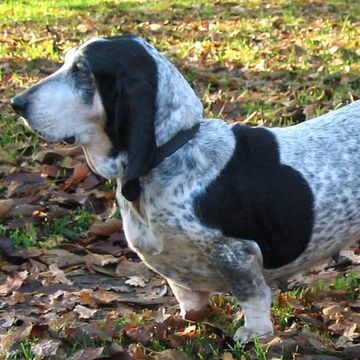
(19, 104)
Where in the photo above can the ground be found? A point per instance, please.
(70, 287)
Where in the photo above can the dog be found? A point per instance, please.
(210, 206)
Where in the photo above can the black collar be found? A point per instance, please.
(131, 190)
(174, 144)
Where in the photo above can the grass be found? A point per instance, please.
(347, 282)
(65, 228)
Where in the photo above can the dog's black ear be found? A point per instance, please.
(126, 77)
(135, 116)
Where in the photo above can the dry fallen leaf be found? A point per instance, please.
(100, 260)
(45, 348)
(61, 257)
(87, 354)
(227, 356)
(6, 206)
(137, 281)
(171, 354)
(105, 228)
(13, 282)
(131, 268)
(15, 336)
(81, 171)
(58, 275)
(84, 312)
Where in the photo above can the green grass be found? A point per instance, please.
(70, 227)
(348, 282)
(24, 352)
(211, 35)
(65, 228)
(42, 10)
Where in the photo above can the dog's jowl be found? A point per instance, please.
(211, 207)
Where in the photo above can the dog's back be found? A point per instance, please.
(326, 152)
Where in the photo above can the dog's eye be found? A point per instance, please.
(80, 68)
(82, 75)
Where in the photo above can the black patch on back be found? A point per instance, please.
(257, 198)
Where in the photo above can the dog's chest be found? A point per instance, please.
(172, 254)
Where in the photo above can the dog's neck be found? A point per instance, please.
(178, 107)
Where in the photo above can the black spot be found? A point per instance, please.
(257, 198)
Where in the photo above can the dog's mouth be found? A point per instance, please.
(23, 121)
(70, 140)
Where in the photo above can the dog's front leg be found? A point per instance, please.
(189, 300)
(240, 267)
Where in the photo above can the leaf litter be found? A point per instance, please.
(76, 290)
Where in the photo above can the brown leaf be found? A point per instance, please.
(355, 304)
(136, 281)
(105, 297)
(171, 354)
(81, 171)
(141, 334)
(137, 352)
(45, 348)
(6, 245)
(349, 334)
(88, 354)
(39, 330)
(87, 298)
(13, 282)
(144, 334)
(319, 357)
(310, 110)
(6, 206)
(8, 319)
(84, 312)
(23, 183)
(58, 275)
(108, 246)
(90, 182)
(27, 253)
(100, 260)
(128, 268)
(333, 312)
(50, 156)
(117, 352)
(52, 171)
(16, 336)
(105, 228)
(197, 315)
(23, 210)
(61, 257)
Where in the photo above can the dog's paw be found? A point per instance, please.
(244, 334)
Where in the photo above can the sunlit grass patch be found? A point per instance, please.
(349, 281)
(42, 10)
(53, 232)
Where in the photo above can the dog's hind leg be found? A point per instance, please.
(239, 265)
(189, 300)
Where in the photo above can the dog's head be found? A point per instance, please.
(119, 98)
